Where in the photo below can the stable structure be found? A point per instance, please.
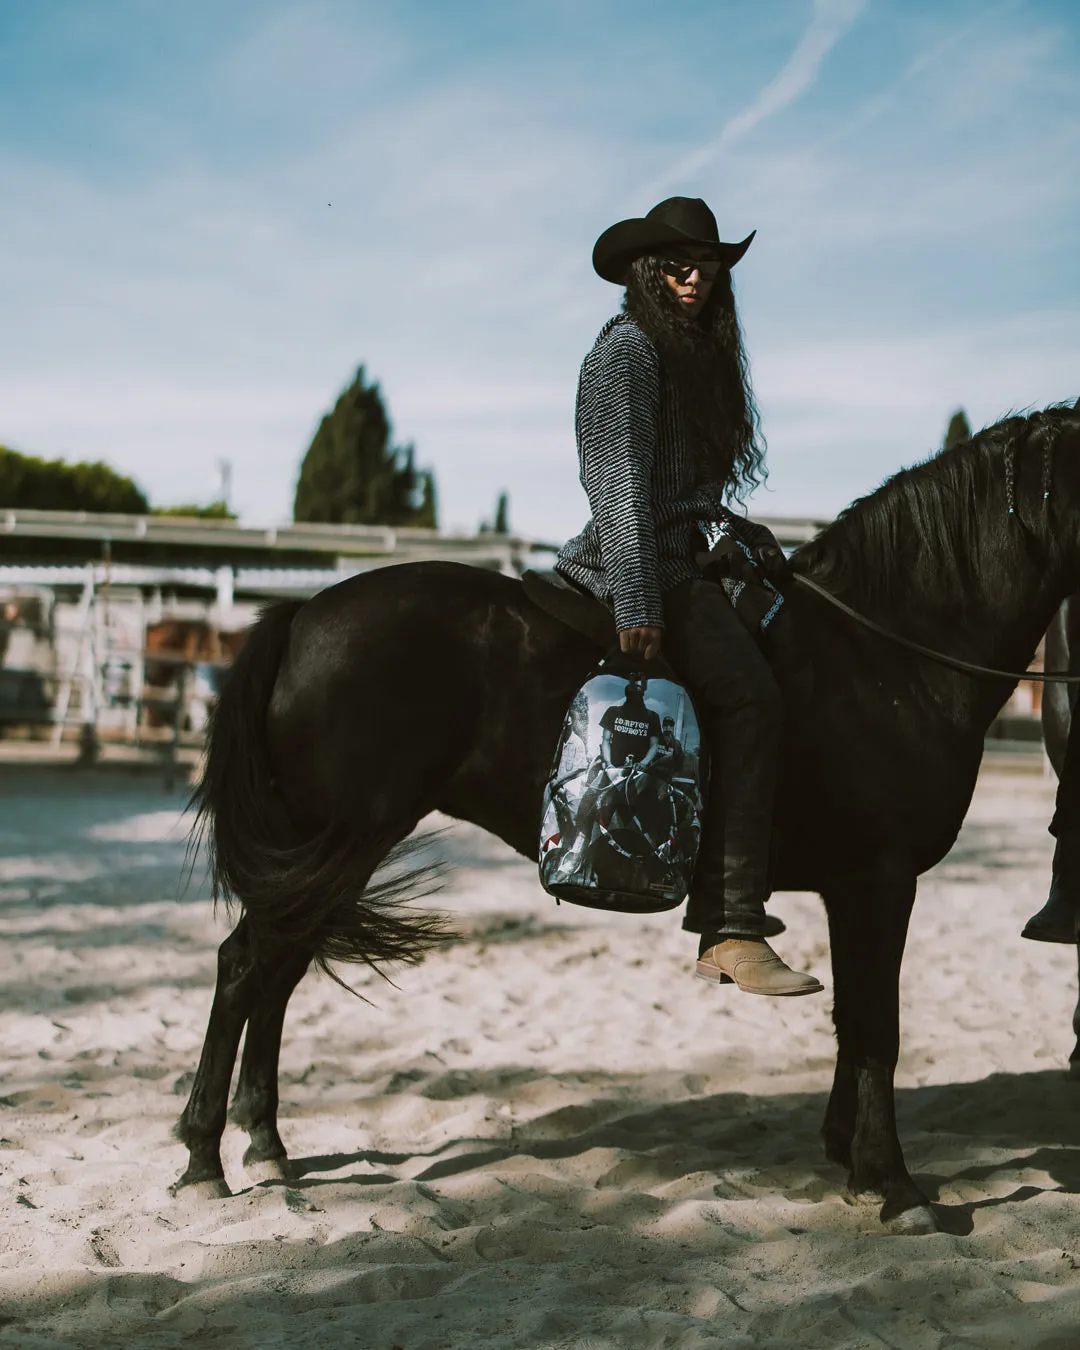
(96, 589)
(115, 627)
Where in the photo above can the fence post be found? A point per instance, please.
(173, 748)
(90, 701)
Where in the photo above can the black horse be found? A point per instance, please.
(437, 686)
(1059, 701)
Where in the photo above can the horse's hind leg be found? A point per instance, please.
(203, 1120)
(255, 1104)
(868, 916)
(282, 965)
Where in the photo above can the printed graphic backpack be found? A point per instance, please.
(623, 803)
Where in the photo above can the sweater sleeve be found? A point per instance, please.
(618, 405)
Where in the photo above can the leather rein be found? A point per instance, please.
(966, 667)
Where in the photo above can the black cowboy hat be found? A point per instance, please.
(674, 224)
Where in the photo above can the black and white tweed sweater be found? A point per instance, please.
(647, 515)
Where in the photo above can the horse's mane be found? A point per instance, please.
(946, 517)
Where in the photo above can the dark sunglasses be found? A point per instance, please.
(680, 272)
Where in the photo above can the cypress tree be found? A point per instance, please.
(353, 475)
(959, 430)
(500, 524)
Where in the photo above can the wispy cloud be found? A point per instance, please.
(954, 43)
(831, 19)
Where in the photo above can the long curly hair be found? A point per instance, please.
(706, 361)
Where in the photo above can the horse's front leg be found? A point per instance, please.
(255, 1104)
(1074, 1058)
(868, 917)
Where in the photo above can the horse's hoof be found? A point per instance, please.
(911, 1222)
(213, 1188)
(270, 1169)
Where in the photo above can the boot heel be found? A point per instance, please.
(712, 976)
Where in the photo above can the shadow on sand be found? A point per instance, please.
(587, 1246)
(1031, 1118)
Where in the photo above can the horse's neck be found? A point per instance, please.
(935, 556)
(992, 609)
(1003, 611)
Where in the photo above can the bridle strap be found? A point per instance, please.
(967, 667)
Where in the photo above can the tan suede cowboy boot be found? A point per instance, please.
(753, 965)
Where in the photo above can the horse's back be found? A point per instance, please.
(422, 686)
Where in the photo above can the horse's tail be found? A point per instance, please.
(308, 888)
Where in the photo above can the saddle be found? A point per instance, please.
(752, 595)
(575, 608)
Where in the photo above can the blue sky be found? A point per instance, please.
(211, 214)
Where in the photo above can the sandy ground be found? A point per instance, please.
(549, 1135)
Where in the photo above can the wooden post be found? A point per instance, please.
(90, 694)
(89, 745)
(172, 749)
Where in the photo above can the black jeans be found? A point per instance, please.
(741, 711)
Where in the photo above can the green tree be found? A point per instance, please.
(215, 511)
(34, 484)
(959, 430)
(353, 475)
(500, 524)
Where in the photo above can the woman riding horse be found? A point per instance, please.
(666, 429)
